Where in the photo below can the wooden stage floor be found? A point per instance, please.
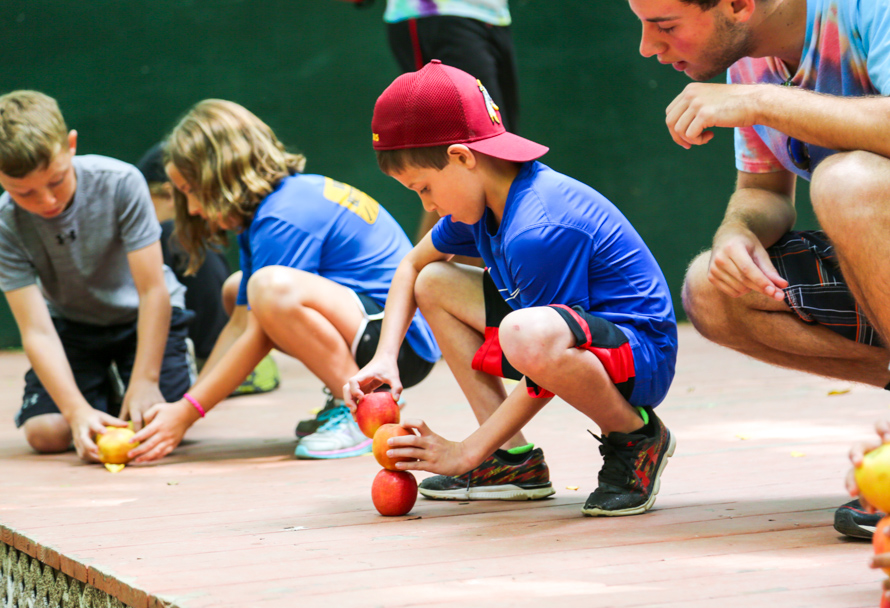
(744, 517)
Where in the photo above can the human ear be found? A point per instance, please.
(742, 10)
(72, 141)
(461, 154)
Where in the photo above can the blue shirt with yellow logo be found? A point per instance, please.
(316, 224)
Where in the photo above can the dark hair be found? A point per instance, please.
(393, 161)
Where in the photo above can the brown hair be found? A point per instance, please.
(32, 132)
(704, 5)
(394, 161)
(231, 161)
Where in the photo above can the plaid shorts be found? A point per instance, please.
(816, 290)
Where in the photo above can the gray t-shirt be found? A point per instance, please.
(79, 258)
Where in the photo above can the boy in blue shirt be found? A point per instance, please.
(571, 303)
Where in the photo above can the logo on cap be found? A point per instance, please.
(489, 104)
(375, 136)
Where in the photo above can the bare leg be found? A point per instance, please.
(48, 433)
(310, 318)
(450, 297)
(768, 330)
(851, 197)
(230, 292)
(539, 344)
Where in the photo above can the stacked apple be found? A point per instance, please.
(393, 492)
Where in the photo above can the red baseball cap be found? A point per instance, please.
(440, 105)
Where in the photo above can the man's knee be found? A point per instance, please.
(849, 190)
(704, 305)
(48, 433)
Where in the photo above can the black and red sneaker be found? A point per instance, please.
(501, 476)
(632, 466)
(852, 520)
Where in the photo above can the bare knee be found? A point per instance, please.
(48, 433)
(532, 338)
(848, 192)
(705, 306)
(272, 291)
(429, 284)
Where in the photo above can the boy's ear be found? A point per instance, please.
(461, 154)
(72, 141)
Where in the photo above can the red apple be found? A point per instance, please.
(375, 410)
(380, 445)
(394, 492)
(880, 540)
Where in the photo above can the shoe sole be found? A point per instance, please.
(843, 523)
(305, 454)
(501, 492)
(672, 445)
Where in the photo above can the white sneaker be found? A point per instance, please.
(338, 437)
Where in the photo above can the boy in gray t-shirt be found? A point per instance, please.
(81, 269)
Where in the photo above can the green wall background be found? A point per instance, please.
(124, 71)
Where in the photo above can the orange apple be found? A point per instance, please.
(114, 444)
(880, 541)
(375, 410)
(394, 492)
(380, 445)
(873, 478)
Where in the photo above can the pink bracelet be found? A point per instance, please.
(194, 402)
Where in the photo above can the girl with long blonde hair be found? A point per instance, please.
(317, 260)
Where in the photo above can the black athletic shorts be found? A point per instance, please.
(91, 349)
(412, 367)
(816, 290)
(593, 334)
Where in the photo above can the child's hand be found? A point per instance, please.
(166, 424)
(375, 373)
(433, 453)
(858, 451)
(141, 395)
(86, 424)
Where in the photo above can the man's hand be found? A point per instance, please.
(376, 373)
(140, 396)
(87, 423)
(702, 105)
(166, 424)
(740, 264)
(432, 452)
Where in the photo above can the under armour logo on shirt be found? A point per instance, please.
(66, 237)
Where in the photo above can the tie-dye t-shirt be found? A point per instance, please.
(846, 53)
(494, 12)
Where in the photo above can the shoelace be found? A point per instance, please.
(334, 417)
(617, 462)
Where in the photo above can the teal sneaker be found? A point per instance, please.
(338, 437)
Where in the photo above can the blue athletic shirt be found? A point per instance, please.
(316, 224)
(562, 242)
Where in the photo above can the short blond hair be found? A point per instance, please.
(231, 161)
(32, 132)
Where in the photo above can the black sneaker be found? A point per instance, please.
(309, 426)
(851, 520)
(632, 466)
(501, 476)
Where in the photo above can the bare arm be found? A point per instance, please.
(760, 211)
(837, 123)
(153, 325)
(47, 356)
(400, 308)
(438, 455)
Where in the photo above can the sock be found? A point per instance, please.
(648, 428)
(528, 447)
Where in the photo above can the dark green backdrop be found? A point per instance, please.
(125, 70)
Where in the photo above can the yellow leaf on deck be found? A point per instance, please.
(114, 468)
(797, 454)
(572, 487)
(742, 437)
(839, 391)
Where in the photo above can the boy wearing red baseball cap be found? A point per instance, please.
(571, 302)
